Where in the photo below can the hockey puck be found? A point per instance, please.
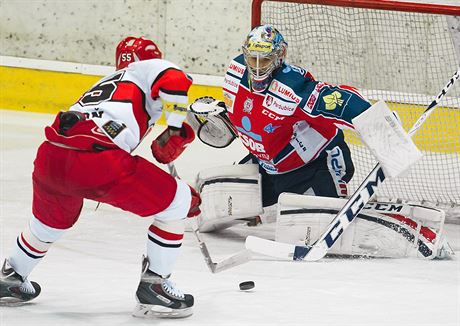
(247, 285)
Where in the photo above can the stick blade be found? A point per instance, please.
(285, 251)
(237, 259)
(314, 253)
(270, 248)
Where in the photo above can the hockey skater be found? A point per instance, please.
(291, 124)
(88, 154)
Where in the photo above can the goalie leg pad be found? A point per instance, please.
(229, 193)
(381, 230)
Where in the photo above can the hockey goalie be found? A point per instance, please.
(291, 125)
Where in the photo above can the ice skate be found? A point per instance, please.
(14, 289)
(445, 251)
(159, 297)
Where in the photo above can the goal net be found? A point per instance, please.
(403, 53)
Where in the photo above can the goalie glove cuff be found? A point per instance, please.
(206, 106)
(170, 144)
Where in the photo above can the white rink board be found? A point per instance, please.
(89, 277)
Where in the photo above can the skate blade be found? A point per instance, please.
(12, 302)
(156, 311)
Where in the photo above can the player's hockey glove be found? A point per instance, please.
(171, 143)
(69, 119)
(195, 204)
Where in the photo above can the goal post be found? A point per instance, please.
(400, 52)
(367, 4)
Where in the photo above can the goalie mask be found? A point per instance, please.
(264, 51)
(133, 49)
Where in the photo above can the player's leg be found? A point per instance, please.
(147, 190)
(53, 213)
(165, 237)
(325, 177)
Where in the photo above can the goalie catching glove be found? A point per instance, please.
(207, 106)
(208, 118)
(171, 143)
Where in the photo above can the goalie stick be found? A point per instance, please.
(239, 258)
(349, 211)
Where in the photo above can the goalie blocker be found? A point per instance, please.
(381, 230)
(383, 134)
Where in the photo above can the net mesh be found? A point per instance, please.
(404, 58)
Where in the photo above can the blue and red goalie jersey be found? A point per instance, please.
(294, 120)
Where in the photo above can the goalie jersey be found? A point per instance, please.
(120, 109)
(294, 120)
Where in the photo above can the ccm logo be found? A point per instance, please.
(354, 206)
(271, 115)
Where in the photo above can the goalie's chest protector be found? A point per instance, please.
(266, 122)
(263, 132)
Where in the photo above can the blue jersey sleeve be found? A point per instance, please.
(342, 103)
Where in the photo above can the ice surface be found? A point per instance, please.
(89, 277)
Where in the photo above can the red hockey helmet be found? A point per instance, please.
(133, 49)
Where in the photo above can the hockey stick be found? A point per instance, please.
(239, 258)
(349, 211)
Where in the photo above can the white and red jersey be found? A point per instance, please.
(124, 105)
(294, 120)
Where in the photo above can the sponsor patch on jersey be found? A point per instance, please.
(254, 146)
(247, 127)
(313, 98)
(270, 128)
(269, 167)
(236, 69)
(231, 83)
(284, 91)
(297, 69)
(279, 106)
(272, 115)
(248, 105)
(229, 100)
(332, 101)
(263, 156)
(113, 128)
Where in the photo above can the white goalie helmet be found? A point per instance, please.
(264, 51)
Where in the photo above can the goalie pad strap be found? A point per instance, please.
(227, 180)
